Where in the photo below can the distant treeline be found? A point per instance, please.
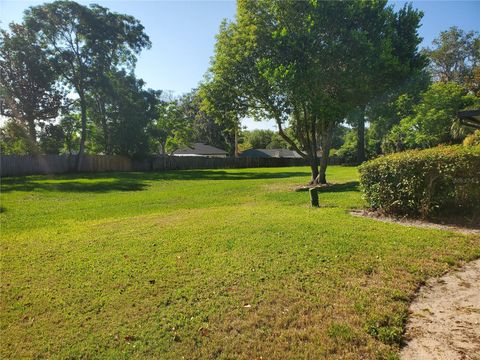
(356, 88)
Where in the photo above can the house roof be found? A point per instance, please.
(270, 153)
(200, 149)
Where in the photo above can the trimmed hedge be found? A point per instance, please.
(424, 183)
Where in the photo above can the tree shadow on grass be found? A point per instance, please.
(129, 181)
(100, 186)
(348, 186)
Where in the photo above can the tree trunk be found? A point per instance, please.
(32, 137)
(106, 142)
(314, 170)
(322, 176)
(164, 156)
(32, 131)
(83, 134)
(236, 142)
(326, 143)
(361, 135)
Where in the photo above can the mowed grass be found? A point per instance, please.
(207, 264)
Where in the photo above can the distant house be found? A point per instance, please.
(199, 149)
(270, 153)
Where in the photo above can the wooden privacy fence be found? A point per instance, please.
(19, 165)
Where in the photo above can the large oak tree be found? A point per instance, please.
(27, 82)
(85, 43)
(310, 64)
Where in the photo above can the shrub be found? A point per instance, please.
(472, 139)
(424, 183)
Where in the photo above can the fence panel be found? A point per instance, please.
(20, 165)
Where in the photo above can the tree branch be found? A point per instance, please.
(288, 140)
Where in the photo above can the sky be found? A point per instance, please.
(183, 34)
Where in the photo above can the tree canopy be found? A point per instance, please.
(455, 56)
(431, 120)
(332, 75)
(310, 64)
(27, 82)
(85, 44)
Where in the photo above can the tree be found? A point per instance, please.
(84, 43)
(259, 139)
(277, 142)
(455, 56)
(130, 112)
(292, 61)
(432, 118)
(223, 109)
(204, 125)
(52, 139)
(70, 125)
(14, 139)
(377, 84)
(387, 110)
(27, 82)
(172, 128)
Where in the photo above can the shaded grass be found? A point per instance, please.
(207, 264)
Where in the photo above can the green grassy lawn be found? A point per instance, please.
(207, 264)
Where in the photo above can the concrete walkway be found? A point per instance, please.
(444, 320)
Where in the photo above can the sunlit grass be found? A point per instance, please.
(207, 264)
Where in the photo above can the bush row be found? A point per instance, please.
(424, 183)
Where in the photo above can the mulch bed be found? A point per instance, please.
(461, 225)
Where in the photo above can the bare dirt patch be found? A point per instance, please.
(416, 223)
(444, 320)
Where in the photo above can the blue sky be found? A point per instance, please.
(183, 34)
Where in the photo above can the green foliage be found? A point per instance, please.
(424, 183)
(292, 61)
(85, 44)
(386, 111)
(130, 113)
(27, 81)
(207, 122)
(186, 120)
(431, 121)
(277, 142)
(70, 125)
(456, 57)
(259, 139)
(386, 329)
(348, 150)
(52, 139)
(472, 139)
(171, 129)
(14, 139)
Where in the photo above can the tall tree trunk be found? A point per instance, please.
(32, 131)
(106, 142)
(322, 176)
(236, 142)
(164, 155)
(83, 134)
(32, 137)
(361, 135)
(314, 170)
(326, 143)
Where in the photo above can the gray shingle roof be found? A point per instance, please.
(200, 149)
(270, 153)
